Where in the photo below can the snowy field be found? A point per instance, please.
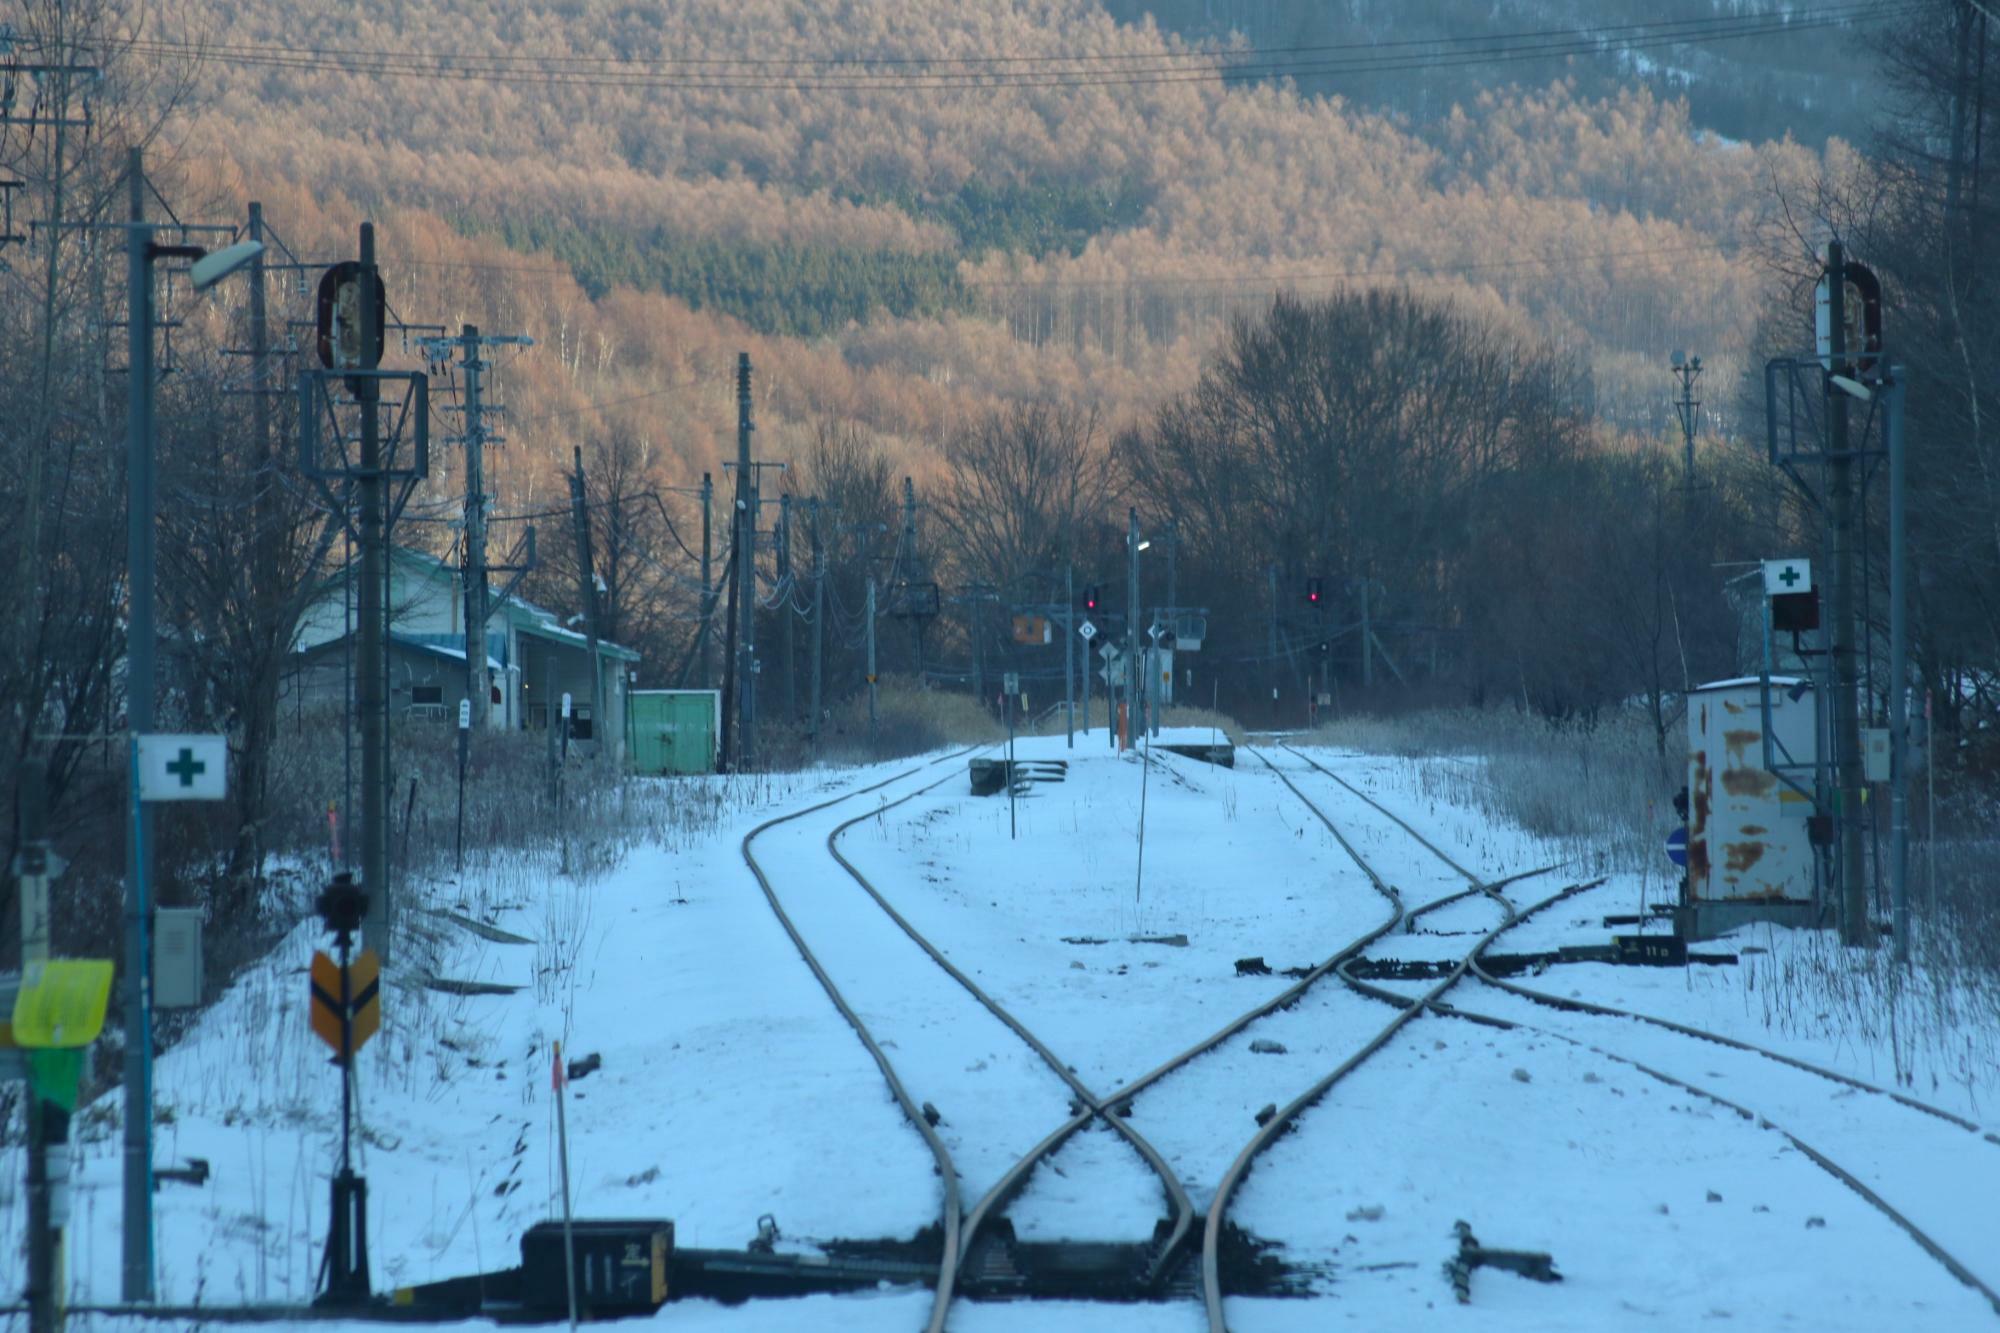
(731, 1088)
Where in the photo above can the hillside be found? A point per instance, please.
(1043, 165)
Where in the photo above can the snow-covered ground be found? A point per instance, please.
(731, 1087)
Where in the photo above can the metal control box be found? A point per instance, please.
(621, 1266)
(1749, 832)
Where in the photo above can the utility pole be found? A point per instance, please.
(1133, 720)
(909, 544)
(871, 660)
(1848, 791)
(1069, 656)
(1367, 639)
(137, 1280)
(1687, 369)
(586, 576)
(476, 573)
(786, 616)
(47, 1124)
(819, 619)
(373, 640)
(746, 567)
(707, 584)
(1271, 575)
(1899, 668)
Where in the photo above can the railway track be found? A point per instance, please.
(959, 1234)
(1432, 1000)
(1286, 1115)
(960, 1229)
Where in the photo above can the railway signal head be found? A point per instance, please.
(1315, 589)
(1090, 598)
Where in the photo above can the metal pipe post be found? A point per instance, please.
(137, 1259)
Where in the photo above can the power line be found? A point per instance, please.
(1187, 54)
(548, 73)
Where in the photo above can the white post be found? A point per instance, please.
(556, 1081)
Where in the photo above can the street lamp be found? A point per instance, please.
(140, 252)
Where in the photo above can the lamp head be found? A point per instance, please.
(1676, 358)
(214, 267)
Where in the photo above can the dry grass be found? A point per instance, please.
(910, 719)
(1601, 790)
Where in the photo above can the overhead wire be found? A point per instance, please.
(1185, 52)
(1377, 58)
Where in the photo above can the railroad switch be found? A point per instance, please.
(1535, 1264)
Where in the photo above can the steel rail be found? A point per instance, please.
(1700, 1034)
(1826, 1163)
(1180, 1205)
(1268, 1132)
(949, 1215)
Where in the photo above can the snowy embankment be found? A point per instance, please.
(731, 1088)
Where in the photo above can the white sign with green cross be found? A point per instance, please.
(183, 768)
(1783, 576)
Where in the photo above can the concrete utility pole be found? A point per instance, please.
(907, 548)
(1367, 639)
(47, 1126)
(1687, 369)
(1133, 704)
(478, 598)
(707, 584)
(786, 616)
(1899, 668)
(819, 618)
(586, 577)
(1069, 656)
(746, 567)
(1840, 479)
(1271, 576)
(373, 637)
(137, 1279)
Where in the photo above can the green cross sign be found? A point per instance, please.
(1787, 576)
(183, 767)
(186, 767)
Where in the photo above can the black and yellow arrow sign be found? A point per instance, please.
(346, 1029)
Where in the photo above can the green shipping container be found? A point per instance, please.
(673, 731)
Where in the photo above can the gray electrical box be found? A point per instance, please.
(176, 957)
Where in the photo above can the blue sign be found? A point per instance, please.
(1677, 847)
